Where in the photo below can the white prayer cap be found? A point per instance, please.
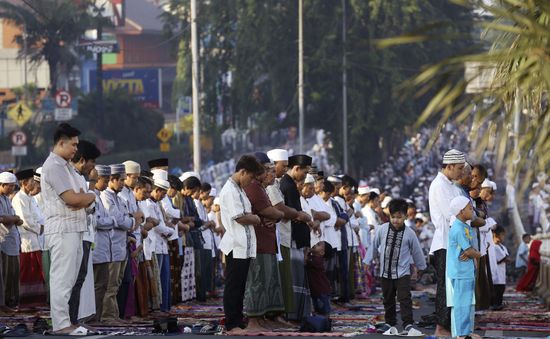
(458, 204)
(535, 185)
(159, 173)
(334, 179)
(491, 223)
(386, 202)
(362, 190)
(309, 179)
(454, 157)
(132, 167)
(375, 190)
(278, 155)
(188, 175)
(213, 192)
(421, 216)
(38, 174)
(489, 184)
(216, 201)
(7, 178)
(161, 183)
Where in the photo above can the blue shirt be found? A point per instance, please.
(461, 237)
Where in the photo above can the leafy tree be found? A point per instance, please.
(256, 41)
(52, 29)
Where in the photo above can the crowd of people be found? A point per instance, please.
(106, 244)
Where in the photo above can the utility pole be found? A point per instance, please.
(99, 74)
(195, 86)
(300, 76)
(344, 90)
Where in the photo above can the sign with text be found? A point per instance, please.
(142, 84)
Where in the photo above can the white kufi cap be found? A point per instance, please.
(458, 203)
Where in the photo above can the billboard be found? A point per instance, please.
(143, 84)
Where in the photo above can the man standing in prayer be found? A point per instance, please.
(65, 202)
(102, 253)
(239, 240)
(283, 231)
(83, 162)
(263, 289)
(126, 295)
(32, 283)
(12, 243)
(441, 193)
(300, 234)
(125, 222)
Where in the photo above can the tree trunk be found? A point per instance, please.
(52, 64)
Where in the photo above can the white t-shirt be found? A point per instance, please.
(499, 271)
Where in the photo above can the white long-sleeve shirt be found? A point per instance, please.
(442, 191)
(161, 232)
(27, 209)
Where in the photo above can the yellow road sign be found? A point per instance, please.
(20, 113)
(165, 134)
(164, 147)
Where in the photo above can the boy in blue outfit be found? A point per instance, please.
(460, 272)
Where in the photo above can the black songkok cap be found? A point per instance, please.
(299, 160)
(25, 174)
(161, 162)
(262, 158)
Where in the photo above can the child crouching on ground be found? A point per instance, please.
(460, 272)
(398, 248)
(319, 284)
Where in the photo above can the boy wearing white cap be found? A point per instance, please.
(460, 273)
(162, 233)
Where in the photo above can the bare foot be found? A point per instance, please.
(441, 331)
(283, 322)
(254, 325)
(236, 331)
(475, 336)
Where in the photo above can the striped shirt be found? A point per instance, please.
(59, 176)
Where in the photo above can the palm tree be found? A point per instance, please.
(504, 90)
(52, 29)
(510, 82)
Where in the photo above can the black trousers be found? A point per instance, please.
(498, 294)
(441, 310)
(236, 271)
(343, 266)
(74, 301)
(402, 289)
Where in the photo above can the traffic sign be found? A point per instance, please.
(164, 147)
(99, 46)
(20, 113)
(18, 138)
(19, 151)
(63, 99)
(63, 114)
(165, 134)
